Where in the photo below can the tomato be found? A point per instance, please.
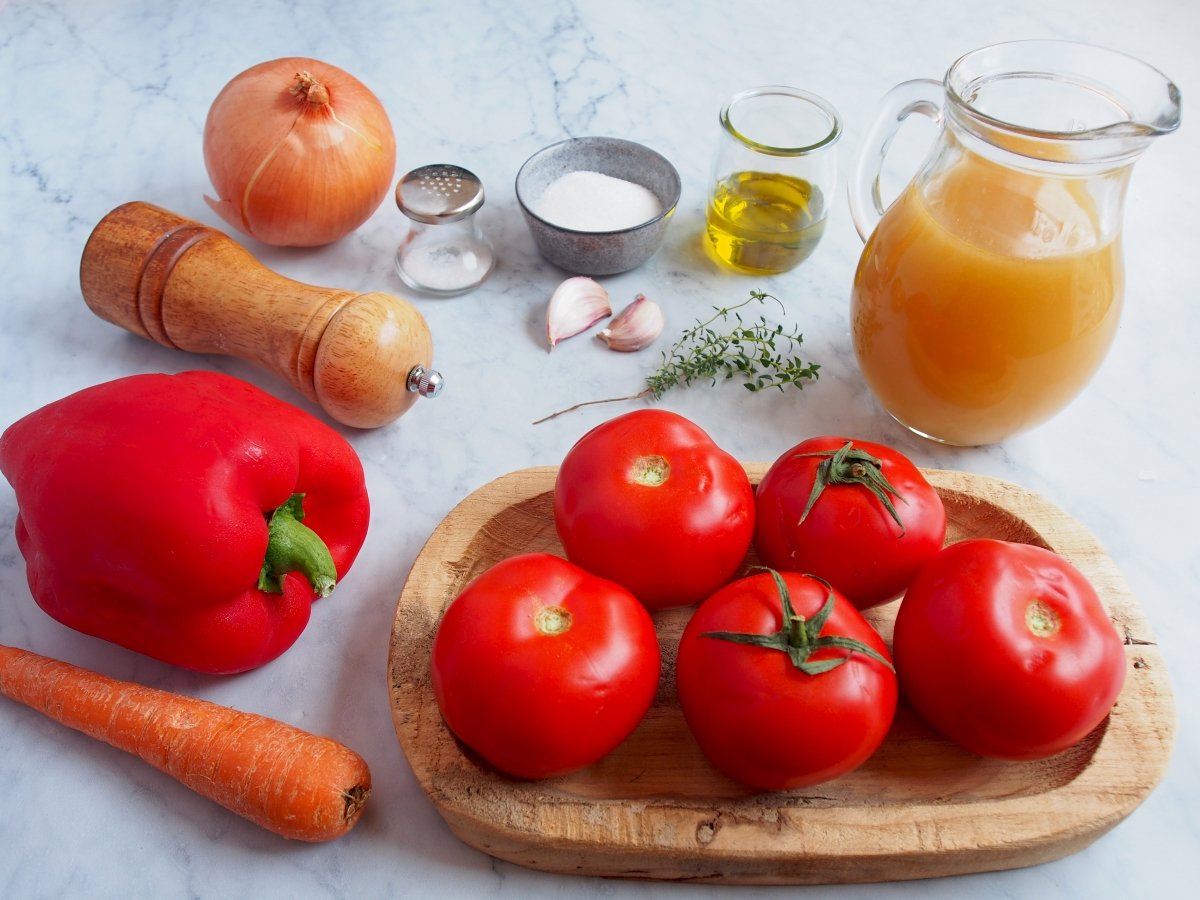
(858, 514)
(755, 711)
(649, 501)
(1006, 649)
(542, 668)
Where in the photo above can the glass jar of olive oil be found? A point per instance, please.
(775, 165)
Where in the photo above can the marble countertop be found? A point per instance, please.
(106, 103)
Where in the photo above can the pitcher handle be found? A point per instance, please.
(921, 95)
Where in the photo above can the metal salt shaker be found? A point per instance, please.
(445, 251)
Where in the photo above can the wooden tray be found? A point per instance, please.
(654, 808)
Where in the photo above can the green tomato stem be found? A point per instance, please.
(800, 638)
(849, 465)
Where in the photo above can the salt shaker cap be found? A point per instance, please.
(439, 193)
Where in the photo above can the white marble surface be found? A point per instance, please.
(105, 102)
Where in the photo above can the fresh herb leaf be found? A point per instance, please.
(760, 353)
(725, 347)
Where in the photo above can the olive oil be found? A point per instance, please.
(764, 223)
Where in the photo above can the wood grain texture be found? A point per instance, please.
(191, 287)
(654, 808)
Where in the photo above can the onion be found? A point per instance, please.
(300, 153)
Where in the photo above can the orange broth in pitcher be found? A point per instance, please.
(984, 301)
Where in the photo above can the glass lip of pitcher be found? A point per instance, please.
(827, 108)
(1144, 103)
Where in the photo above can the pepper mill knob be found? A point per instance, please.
(425, 382)
(187, 286)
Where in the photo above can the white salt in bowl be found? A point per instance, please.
(597, 205)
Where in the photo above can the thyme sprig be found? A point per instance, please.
(761, 354)
(757, 352)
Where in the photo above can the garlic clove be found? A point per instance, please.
(635, 327)
(575, 306)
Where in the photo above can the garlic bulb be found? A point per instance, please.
(575, 306)
(635, 327)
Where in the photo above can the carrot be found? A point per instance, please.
(296, 784)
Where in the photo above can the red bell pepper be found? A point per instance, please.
(162, 513)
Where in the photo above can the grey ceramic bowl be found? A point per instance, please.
(599, 252)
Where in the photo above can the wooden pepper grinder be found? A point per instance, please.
(365, 358)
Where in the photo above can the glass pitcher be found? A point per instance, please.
(989, 291)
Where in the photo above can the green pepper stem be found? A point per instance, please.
(294, 547)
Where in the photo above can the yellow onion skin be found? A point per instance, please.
(291, 172)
